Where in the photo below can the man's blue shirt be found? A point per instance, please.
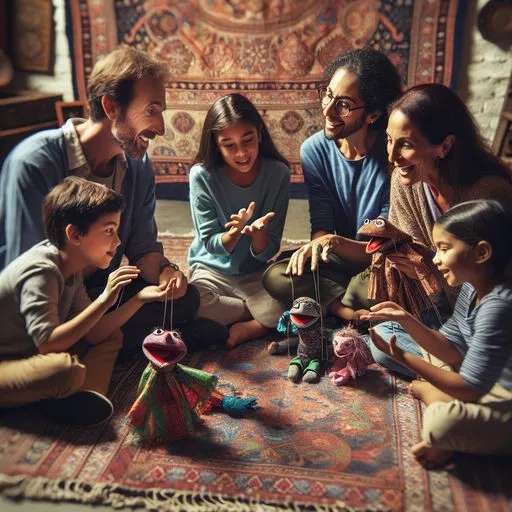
(343, 193)
(39, 163)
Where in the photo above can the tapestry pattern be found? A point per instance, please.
(273, 51)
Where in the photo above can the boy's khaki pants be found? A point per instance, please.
(54, 375)
(482, 427)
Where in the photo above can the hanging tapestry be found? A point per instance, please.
(273, 51)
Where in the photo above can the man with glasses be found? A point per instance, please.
(345, 169)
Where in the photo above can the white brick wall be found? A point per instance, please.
(61, 81)
(482, 81)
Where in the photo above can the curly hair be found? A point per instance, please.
(377, 79)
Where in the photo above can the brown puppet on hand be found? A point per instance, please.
(388, 245)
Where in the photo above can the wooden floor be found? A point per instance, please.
(174, 217)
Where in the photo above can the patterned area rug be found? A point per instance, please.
(308, 447)
(273, 51)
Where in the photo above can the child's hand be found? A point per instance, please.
(386, 311)
(240, 219)
(258, 225)
(359, 316)
(116, 281)
(390, 348)
(177, 283)
(154, 293)
(177, 286)
(403, 264)
(395, 351)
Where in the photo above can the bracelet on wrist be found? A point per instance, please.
(170, 265)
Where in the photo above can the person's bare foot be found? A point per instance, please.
(430, 457)
(427, 393)
(245, 331)
(285, 346)
(417, 388)
(273, 348)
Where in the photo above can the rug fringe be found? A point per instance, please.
(18, 487)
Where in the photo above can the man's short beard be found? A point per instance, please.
(344, 134)
(331, 136)
(127, 140)
(129, 147)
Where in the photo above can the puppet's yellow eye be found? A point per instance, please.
(366, 222)
(380, 223)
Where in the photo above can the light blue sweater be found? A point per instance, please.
(214, 198)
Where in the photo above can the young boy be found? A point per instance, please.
(55, 343)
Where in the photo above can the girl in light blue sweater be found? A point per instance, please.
(239, 190)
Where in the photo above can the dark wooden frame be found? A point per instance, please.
(67, 109)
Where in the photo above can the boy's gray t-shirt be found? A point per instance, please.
(34, 299)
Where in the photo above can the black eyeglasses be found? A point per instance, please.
(341, 106)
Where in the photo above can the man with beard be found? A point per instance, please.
(126, 100)
(345, 170)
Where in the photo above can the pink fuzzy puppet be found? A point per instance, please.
(352, 356)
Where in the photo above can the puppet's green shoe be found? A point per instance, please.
(312, 372)
(296, 368)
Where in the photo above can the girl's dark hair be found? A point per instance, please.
(79, 202)
(377, 79)
(474, 221)
(438, 112)
(226, 111)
